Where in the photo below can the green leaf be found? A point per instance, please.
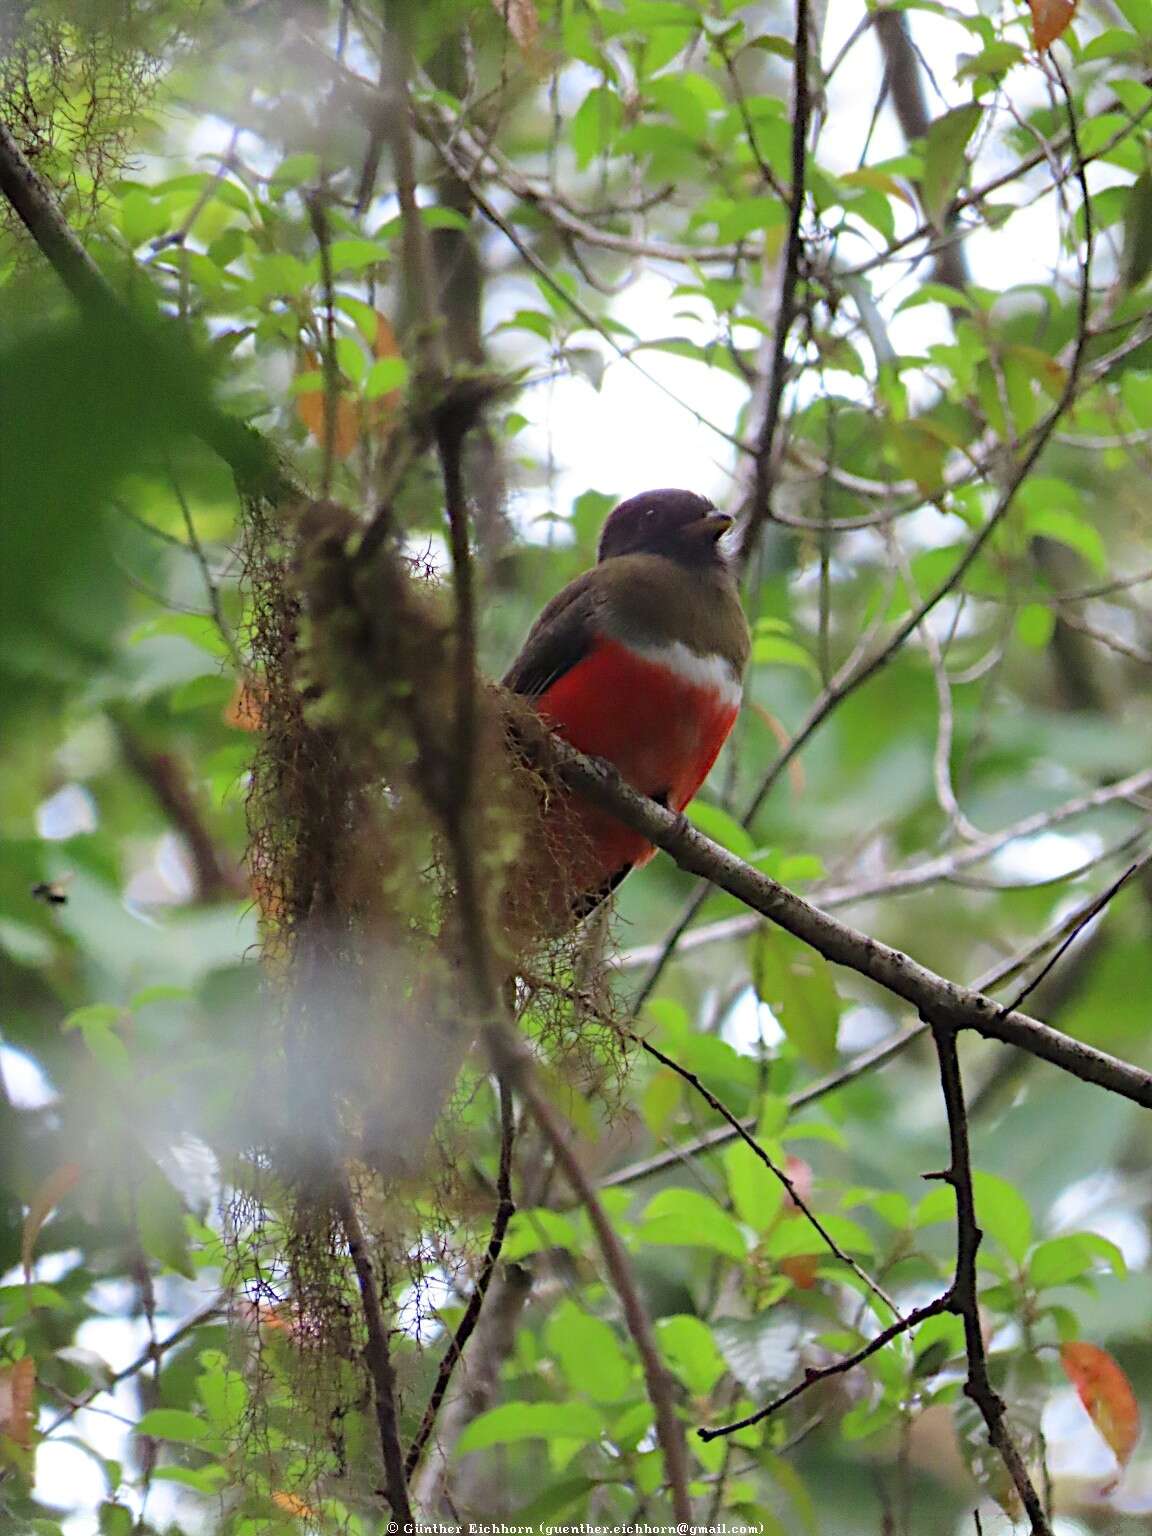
(796, 983)
(116, 1520)
(224, 1394)
(1067, 527)
(1138, 15)
(174, 1424)
(1003, 1214)
(1034, 625)
(722, 828)
(757, 1195)
(512, 1422)
(94, 1016)
(385, 375)
(355, 255)
(555, 1500)
(296, 171)
(596, 123)
(1137, 259)
(590, 1354)
(20, 1301)
(686, 1218)
(690, 1350)
(944, 164)
(994, 61)
(775, 651)
(198, 631)
(798, 1237)
(736, 220)
(1058, 1261)
(160, 1222)
(207, 1480)
(536, 1231)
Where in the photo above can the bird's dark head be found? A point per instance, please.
(677, 524)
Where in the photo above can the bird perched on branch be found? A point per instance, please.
(639, 661)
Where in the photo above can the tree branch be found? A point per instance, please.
(376, 1350)
(255, 464)
(657, 1380)
(764, 449)
(963, 1298)
(837, 1368)
(505, 1207)
(931, 995)
(886, 1050)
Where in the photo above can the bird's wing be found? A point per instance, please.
(563, 634)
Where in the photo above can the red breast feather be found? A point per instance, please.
(662, 723)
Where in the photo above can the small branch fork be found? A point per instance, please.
(963, 1300)
(811, 1376)
(505, 1206)
(377, 1351)
(931, 995)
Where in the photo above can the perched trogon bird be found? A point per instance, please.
(639, 661)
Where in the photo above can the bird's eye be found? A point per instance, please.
(649, 511)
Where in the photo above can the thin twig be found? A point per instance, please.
(505, 1207)
(318, 218)
(659, 1384)
(215, 1308)
(376, 1350)
(930, 994)
(1085, 917)
(739, 1130)
(197, 550)
(837, 1368)
(765, 446)
(964, 1297)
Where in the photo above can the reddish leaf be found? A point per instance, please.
(44, 1201)
(245, 709)
(1050, 20)
(293, 1504)
(523, 23)
(17, 1401)
(354, 418)
(801, 1267)
(1105, 1391)
(312, 409)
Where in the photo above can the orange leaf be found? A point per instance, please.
(312, 410)
(1050, 20)
(801, 1267)
(45, 1199)
(1106, 1393)
(385, 344)
(783, 741)
(294, 1505)
(522, 22)
(17, 1401)
(245, 709)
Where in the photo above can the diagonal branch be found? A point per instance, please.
(377, 1352)
(505, 1206)
(931, 995)
(739, 1131)
(255, 464)
(1057, 937)
(837, 1367)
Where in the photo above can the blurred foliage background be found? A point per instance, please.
(605, 187)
